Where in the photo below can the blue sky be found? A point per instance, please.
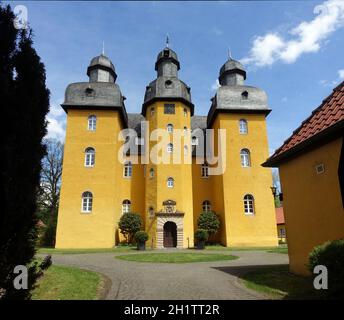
(291, 49)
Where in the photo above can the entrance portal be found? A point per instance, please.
(170, 234)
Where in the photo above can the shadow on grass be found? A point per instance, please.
(275, 281)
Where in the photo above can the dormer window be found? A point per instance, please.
(168, 84)
(166, 53)
(194, 141)
(89, 92)
(244, 95)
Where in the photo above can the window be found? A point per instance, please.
(185, 131)
(152, 111)
(86, 202)
(185, 111)
(92, 122)
(248, 204)
(282, 232)
(126, 206)
(170, 148)
(245, 158)
(244, 95)
(205, 170)
(170, 128)
(170, 182)
(151, 173)
(206, 206)
(127, 170)
(194, 141)
(242, 126)
(169, 108)
(90, 156)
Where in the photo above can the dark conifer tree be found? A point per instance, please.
(23, 152)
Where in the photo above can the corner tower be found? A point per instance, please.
(242, 195)
(89, 203)
(168, 198)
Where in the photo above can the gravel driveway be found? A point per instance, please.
(170, 281)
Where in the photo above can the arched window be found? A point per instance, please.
(170, 128)
(90, 156)
(152, 111)
(170, 182)
(126, 206)
(194, 141)
(186, 150)
(92, 122)
(185, 111)
(205, 170)
(248, 204)
(128, 169)
(206, 206)
(151, 172)
(244, 95)
(245, 158)
(170, 148)
(242, 126)
(86, 202)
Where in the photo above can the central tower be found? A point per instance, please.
(168, 180)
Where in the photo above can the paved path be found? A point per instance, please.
(169, 281)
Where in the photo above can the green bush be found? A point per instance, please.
(129, 224)
(331, 255)
(209, 221)
(201, 235)
(141, 236)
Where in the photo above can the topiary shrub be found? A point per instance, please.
(201, 236)
(141, 236)
(209, 221)
(331, 255)
(129, 224)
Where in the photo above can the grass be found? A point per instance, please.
(218, 247)
(281, 249)
(279, 283)
(175, 257)
(67, 283)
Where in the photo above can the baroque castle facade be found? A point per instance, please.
(98, 186)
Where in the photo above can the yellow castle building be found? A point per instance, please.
(165, 163)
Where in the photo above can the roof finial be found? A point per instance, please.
(103, 51)
(167, 41)
(229, 54)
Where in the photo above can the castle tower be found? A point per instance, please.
(168, 186)
(90, 199)
(242, 195)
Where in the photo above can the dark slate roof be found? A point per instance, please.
(134, 122)
(198, 122)
(328, 118)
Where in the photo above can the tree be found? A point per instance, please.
(209, 221)
(129, 224)
(49, 190)
(276, 183)
(25, 103)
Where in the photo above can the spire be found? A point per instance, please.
(103, 51)
(229, 53)
(167, 41)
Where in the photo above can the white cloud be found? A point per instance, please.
(217, 31)
(56, 128)
(215, 85)
(341, 74)
(307, 37)
(56, 110)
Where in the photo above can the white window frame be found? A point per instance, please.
(245, 158)
(249, 204)
(169, 148)
(126, 206)
(206, 206)
(243, 126)
(169, 128)
(170, 182)
(194, 141)
(90, 157)
(204, 170)
(86, 202)
(127, 170)
(92, 122)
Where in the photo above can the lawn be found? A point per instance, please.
(281, 249)
(176, 257)
(67, 283)
(279, 283)
(218, 247)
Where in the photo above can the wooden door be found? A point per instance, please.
(170, 234)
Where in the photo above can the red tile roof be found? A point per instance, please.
(330, 112)
(279, 215)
